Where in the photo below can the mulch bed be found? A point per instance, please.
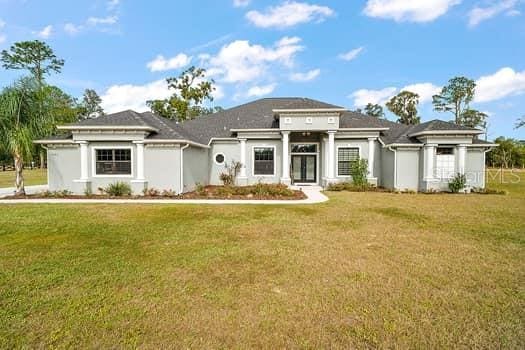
(210, 192)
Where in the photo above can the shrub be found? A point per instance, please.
(225, 191)
(169, 193)
(88, 192)
(359, 172)
(118, 189)
(488, 191)
(228, 178)
(457, 183)
(200, 189)
(151, 192)
(56, 194)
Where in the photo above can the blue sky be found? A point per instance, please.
(344, 52)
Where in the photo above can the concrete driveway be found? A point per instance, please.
(9, 191)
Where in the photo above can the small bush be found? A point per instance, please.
(225, 191)
(169, 193)
(56, 194)
(457, 183)
(88, 192)
(118, 189)
(359, 172)
(351, 187)
(200, 189)
(151, 192)
(232, 169)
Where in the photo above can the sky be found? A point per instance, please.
(343, 52)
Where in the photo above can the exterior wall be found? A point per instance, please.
(195, 168)
(63, 164)
(162, 167)
(302, 122)
(407, 166)
(386, 178)
(231, 151)
(475, 167)
(276, 178)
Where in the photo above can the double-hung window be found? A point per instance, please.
(445, 163)
(113, 161)
(263, 161)
(346, 157)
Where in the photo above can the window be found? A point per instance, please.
(346, 156)
(445, 162)
(263, 161)
(113, 162)
(304, 148)
(219, 158)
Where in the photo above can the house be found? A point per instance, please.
(287, 140)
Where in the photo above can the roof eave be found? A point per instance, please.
(446, 132)
(107, 127)
(309, 110)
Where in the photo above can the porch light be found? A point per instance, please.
(306, 134)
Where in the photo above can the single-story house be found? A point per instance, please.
(277, 140)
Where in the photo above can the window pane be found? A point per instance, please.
(345, 158)
(113, 162)
(263, 161)
(311, 148)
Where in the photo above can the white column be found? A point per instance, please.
(140, 160)
(286, 159)
(430, 150)
(371, 156)
(84, 176)
(462, 155)
(331, 155)
(242, 172)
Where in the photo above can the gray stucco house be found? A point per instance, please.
(287, 140)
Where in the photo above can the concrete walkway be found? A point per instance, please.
(313, 194)
(9, 191)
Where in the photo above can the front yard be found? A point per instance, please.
(31, 177)
(362, 270)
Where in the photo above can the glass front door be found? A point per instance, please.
(304, 168)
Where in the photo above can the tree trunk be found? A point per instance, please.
(19, 182)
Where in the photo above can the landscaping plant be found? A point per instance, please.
(118, 189)
(457, 183)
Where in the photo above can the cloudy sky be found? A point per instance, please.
(344, 52)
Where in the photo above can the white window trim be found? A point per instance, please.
(337, 159)
(94, 162)
(274, 160)
(215, 158)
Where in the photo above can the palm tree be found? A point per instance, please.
(22, 120)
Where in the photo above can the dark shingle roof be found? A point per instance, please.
(258, 115)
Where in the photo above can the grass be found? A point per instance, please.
(31, 177)
(362, 270)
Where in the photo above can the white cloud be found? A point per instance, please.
(408, 10)
(424, 90)
(363, 97)
(307, 76)
(45, 32)
(160, 63)
(480, 14)
(129, 96)
(289, 14)
(352, 54)
(241, 3)
(218, 93)
(505, 82)
(94, 21)
(72, 29)
(259, 91)
(240, 61)
(112, 4)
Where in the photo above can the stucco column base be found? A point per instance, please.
(242, 181)
(81, 186)
(138, 186)
(372, 180)
(286, 181)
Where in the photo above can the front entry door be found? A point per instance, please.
(304, 168)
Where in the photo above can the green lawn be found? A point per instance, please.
(362, 270)
(31, 177)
